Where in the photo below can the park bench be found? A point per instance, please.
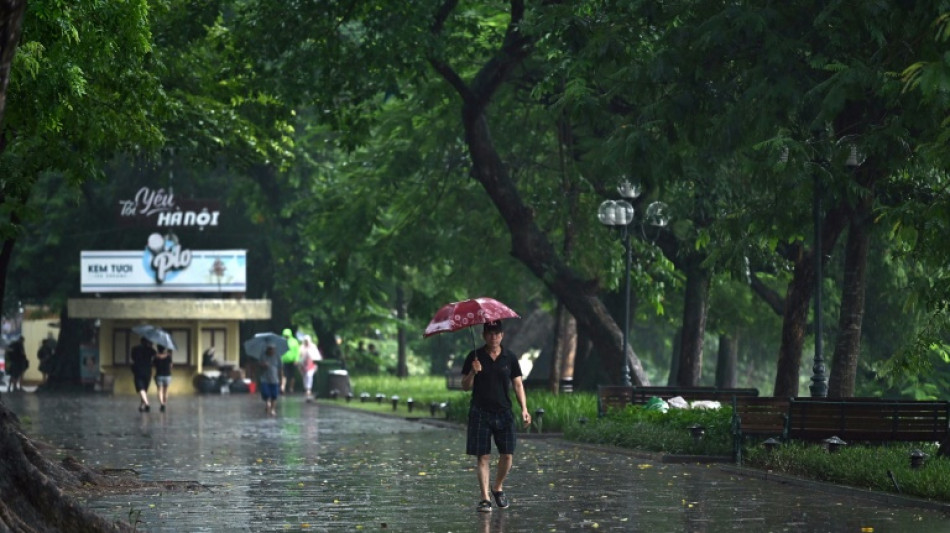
(620, 396)
(868, 420)
(759, 416)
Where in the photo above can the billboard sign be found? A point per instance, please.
(163, 266)
(159, 208)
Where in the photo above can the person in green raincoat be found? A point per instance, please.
(289, 361)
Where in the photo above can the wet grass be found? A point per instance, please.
(885, 468)
(423, 390)
(558, 410)
(874, 467)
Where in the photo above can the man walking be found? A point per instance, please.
(490, 372)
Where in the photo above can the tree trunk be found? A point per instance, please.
(562, 365)
(848, 345)
(694, 323)
(675, 358)
(727, 361)
(31, 487)
(402, 365)
(11, 25)
(528, 243)
(797, 298)
(565, 341)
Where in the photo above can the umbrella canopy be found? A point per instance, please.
(156, 335)
(467, 313)
(256, 345)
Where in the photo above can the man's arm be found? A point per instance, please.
(516, 382)
(468, 380)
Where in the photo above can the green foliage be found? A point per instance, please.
(867, 467)
(424, 390)
(641, 428)
(560, 411)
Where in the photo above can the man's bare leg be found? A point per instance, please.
(504, 466)
(483, 472)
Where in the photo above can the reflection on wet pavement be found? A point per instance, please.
(318, 467)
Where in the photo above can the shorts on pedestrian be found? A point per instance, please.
(141, 382)
(485, 426)
(269, 391)
(290, 370)
(163, 381)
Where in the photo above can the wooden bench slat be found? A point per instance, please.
(757, 416)
(866, 419)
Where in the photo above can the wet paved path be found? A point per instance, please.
(319, 467)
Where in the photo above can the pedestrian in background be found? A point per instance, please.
(309, 355)
(163, 374)
(289, 360)
(271, 365)
(17, 363)
(490, 372)
(45, 356)
(142, 356)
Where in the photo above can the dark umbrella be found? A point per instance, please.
(156, 335)
(257, 345)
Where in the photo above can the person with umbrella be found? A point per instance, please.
(142, 357)
(490, 372)
(270, 364)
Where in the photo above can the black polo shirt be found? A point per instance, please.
(492, 386)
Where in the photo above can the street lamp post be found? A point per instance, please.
(819, 382)
(619, 213)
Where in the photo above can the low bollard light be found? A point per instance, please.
(349, 396)
(770, 444)
(444, 407)
(697, 431)
(364, 396)
(433, 407)
(539, 417)
(334, 394)
(834, 443)
(395, 401)
(379, 397)
(917, 458)
(410, 403)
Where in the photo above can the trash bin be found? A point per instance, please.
(339, 381)
(321, 381)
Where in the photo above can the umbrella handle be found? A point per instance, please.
(472, 329)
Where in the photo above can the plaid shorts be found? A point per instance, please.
(485, 425)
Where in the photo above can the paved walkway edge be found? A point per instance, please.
(722, 461)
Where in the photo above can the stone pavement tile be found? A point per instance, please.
(318, 467)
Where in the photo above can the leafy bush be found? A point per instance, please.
(864, 466)
(646, 429)
(559, 410)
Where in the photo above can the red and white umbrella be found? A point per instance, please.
(468, 313)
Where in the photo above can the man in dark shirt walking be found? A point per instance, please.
(490, 372)
(142, 356)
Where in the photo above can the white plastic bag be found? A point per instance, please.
(677, 402)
